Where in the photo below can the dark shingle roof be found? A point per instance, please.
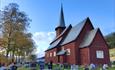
(57, 40)
(54, 44)
(70, 26)
(62, 52)
(74, 32)
(88, 38)
(71, 35)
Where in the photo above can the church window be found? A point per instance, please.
(68, 52)
(50, 54)
(54, 53)
(99, 54)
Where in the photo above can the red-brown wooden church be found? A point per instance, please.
(80, 44)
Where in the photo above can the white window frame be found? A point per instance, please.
(54, 53)
(68, 51)
(50, 54)
(100, 54)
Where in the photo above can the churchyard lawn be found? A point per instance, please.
(54, 68)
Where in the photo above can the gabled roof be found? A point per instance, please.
(88, 38)
(74, 32)
(58, 39)
(65, 30)
(54, 44)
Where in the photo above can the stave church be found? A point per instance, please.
(80, 44)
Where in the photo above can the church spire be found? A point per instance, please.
(61, 19)
(61, 25)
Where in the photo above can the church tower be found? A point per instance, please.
(61, 25)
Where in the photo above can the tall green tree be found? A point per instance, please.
(14, 26)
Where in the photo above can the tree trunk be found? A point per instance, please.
(13, 54)
(7, 53)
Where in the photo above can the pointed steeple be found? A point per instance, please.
(61, 25)
(61, 20)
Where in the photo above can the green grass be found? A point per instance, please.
(80, 68)
(111, 68)
(23, 68)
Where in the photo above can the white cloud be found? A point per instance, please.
(42, 40)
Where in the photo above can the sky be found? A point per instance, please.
(45, 16)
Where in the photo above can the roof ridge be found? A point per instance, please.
(81, 21)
